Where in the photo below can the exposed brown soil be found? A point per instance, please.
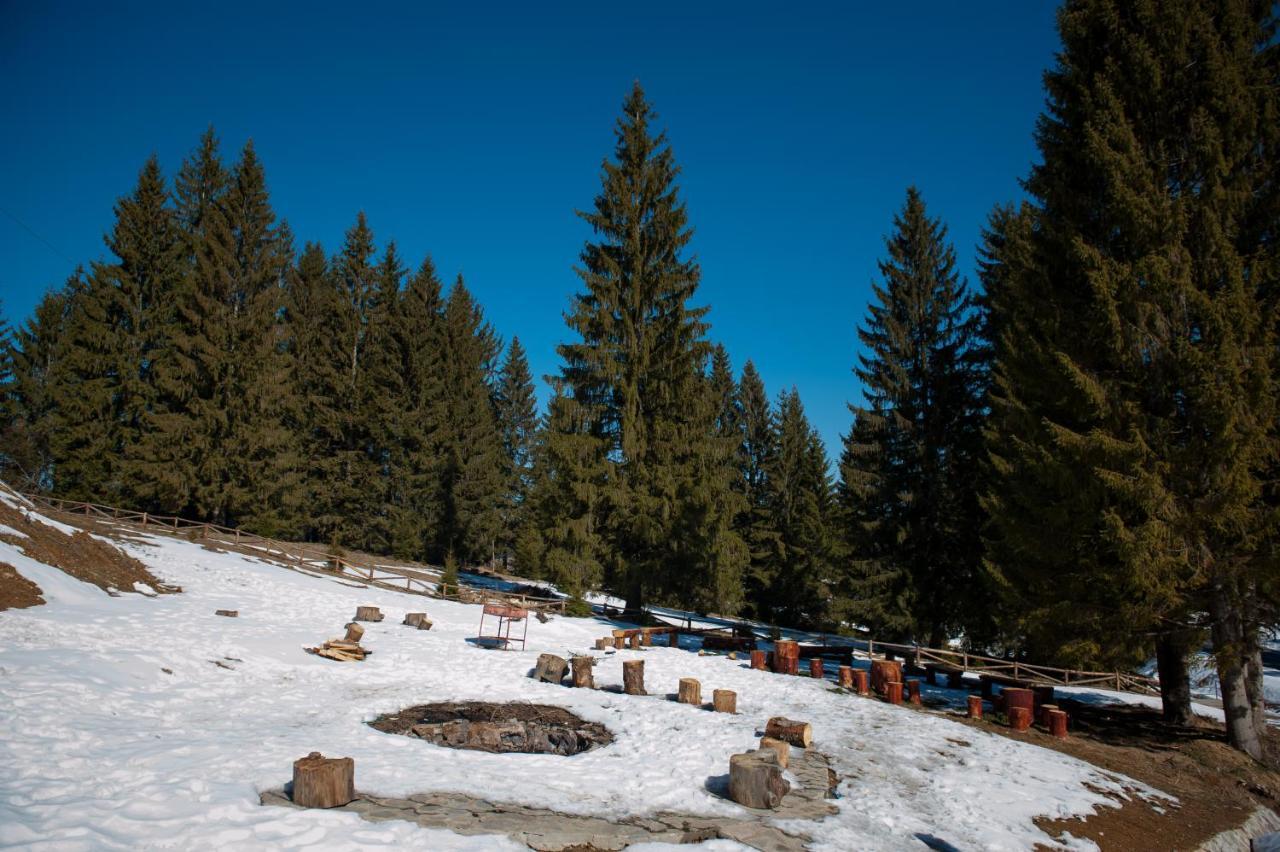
(80, 555)
(1217, 787)
(16, 591)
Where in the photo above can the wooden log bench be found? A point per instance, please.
(955, 675)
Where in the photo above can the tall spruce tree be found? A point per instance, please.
(756, 524)
(1135, 392)
(518, 424)
(908, 469)
(801, 505)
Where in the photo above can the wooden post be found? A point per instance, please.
(724, 701)
(758, 660)
(323, 782)
(690, 692)
(1058, 723)
(604, 643)
(755, 779)
(913, 691)
(846, 677)
(782, 747)
(413, 619)
(1042, 713)
(861, 682)
(799, 734)
(893, 692)
(633, 677)
(646, 639)
(582, 672)
(883, 672)
(975, 707)
(815, 668)
(1019, 718)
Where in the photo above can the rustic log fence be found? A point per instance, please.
(307, 558)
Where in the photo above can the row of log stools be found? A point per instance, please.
(552, 669)
(1023, 707)
(638, 637)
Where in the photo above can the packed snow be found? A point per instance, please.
(136, 721)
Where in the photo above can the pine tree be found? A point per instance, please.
(474, 476)
(1135, 399)
(908, 470)
(417, 460)
(518, 424)
(635, 377)
(117, 330)
(755, 525)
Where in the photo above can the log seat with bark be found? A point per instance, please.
(633, 677)
(690, 691)
(323, 782)
(550, 669)
(755, 779)
(782, 747)
(582, 676)
(799, 734)
(354, 633)
(884, 672)
(418, 620)
(724, 701)
(368, 613)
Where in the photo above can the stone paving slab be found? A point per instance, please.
(549, 831)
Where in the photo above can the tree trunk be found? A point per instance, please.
(1254, 687)
(1172, 649)
(1230, 647)
(633, 677)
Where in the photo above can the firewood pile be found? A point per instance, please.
(344, 650)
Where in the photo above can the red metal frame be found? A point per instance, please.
(506, 616)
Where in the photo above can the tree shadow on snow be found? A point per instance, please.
(935, 843)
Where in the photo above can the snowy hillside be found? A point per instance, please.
(137, 721)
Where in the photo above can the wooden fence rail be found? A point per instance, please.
(302, 556)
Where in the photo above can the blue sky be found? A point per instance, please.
(473, 132)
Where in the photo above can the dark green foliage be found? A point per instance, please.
(635, 397)
(755, 457)
(449, 576)
(800, 564)
(910, 461)
(517, 411)
(1134, 398)
(577, 607)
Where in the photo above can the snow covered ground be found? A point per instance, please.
(149, 722)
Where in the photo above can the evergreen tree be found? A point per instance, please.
(474, 476)
(518, 424)
(635, 377)
(417, 460)
(1135, 400)
(908, 470)
(801, 505)
(755, 458)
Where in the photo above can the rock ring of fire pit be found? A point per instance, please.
(499, 728)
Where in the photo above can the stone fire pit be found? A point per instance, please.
(499, 728)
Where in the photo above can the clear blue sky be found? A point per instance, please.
(473, 133)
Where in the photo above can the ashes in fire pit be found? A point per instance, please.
(482, 726)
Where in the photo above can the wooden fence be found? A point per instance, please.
(307, 558)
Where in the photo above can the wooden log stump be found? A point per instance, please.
(755, 779)
(604, 643)
(550, 668)
(1058, 724)
(724, 701)
(368, 613)
(690, 692)
(884, 672)
(759, 660)
(582, 676)
(975, 707)
(1019, 718)
(619, 639)
(323, 782)
(633, 641)
(815, 668)
(781, 747)
(845, 677)
(354, 632)
(633, 677)
(227, 613)
(424, 623)
(1019, 698)
(893, 692)
(913, 691)
(1042, 713)
(862, 682)
(786, 657)
(798, 734)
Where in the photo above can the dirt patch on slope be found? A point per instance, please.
(16, 591)
(80, 555)
(1218, 788)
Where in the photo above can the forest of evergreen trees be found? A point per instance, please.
(1077, 462)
